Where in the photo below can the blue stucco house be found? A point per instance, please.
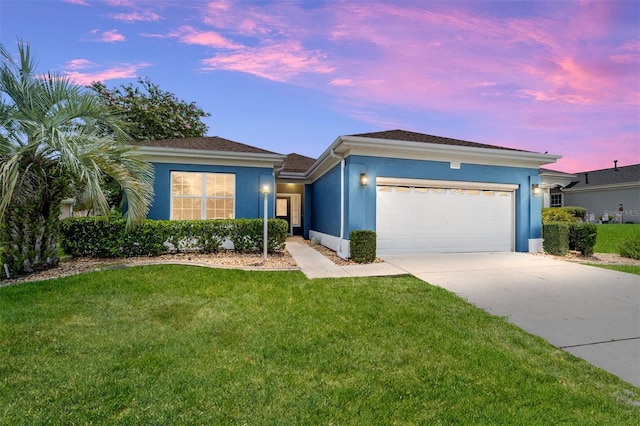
(420, 193)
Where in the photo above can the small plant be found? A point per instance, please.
(363, 246)
(630, 247)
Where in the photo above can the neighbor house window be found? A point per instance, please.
(202, 195)
(556, 200)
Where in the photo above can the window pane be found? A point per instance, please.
(219, 208)
(186, 184)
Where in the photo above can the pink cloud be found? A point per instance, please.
(278, 62)
(84, 71)
(189, 35)
(112, 36)
(145, 16)
(341, 82)
(77, 2)
(77, 64)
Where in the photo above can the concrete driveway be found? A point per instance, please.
(590, 312)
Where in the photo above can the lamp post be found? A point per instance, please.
(265, 190)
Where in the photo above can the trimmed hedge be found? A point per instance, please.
(556, 238)
(582, 237)
(575, 211)
(556, 214)
(101, 237)
(362, 246)
(559, 237)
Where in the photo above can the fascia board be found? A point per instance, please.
(292, 178)
(205, 157)
(560, 175)
(325, 162)
(428, 151)
(612, 186)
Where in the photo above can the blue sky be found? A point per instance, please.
(291, 76)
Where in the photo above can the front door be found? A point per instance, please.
(283, 210)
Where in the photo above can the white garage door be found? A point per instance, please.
(426, 216)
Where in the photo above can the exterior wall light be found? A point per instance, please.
(265, 190)
(364, 179)
(535, 188)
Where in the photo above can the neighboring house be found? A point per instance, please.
(420, 193)
(611, 194)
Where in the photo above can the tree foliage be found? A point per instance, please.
(56, 136)
(151, 113)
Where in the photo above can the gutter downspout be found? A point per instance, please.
(275, 186)
(339, 250)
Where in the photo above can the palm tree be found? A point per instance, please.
(55, 136)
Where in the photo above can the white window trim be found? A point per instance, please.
(551, 195)
(203, 197)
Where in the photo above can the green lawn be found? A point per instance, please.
(611, 235)
(630, 269)
(184, 345)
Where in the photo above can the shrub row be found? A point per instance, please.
(362, 246)
(559, 237)
(102, 237)
(563, 214)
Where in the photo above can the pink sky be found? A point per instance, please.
(562, 77)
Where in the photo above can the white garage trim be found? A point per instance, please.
(423, 183)
(435, 216)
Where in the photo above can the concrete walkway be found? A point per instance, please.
(315, 265)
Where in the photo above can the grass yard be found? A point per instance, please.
(630, 269)
(185, 345)
(611, 235)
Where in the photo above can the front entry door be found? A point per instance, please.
(283, 210)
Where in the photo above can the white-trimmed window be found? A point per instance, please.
(202, 195)
(556, 200)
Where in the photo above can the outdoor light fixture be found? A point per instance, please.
(535, 188)
(364, 179)
(265, 190)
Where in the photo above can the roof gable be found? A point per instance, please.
(296, 163)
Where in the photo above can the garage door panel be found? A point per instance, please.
(441, 220)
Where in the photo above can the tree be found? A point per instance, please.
(55, 136)
(153, 114)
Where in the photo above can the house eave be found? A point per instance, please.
(357, 145)
(156, 154)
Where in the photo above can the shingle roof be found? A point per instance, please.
(208, 143)
(296, 163)
(624, 174)
(404, 135)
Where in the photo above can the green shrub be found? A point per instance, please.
(575, 211)
(556, 214)
(582, 237)
(363, 246)
(555, 238)
(102, 237)
(630, 246)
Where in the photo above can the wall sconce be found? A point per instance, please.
(364, 179)
(535, 188)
